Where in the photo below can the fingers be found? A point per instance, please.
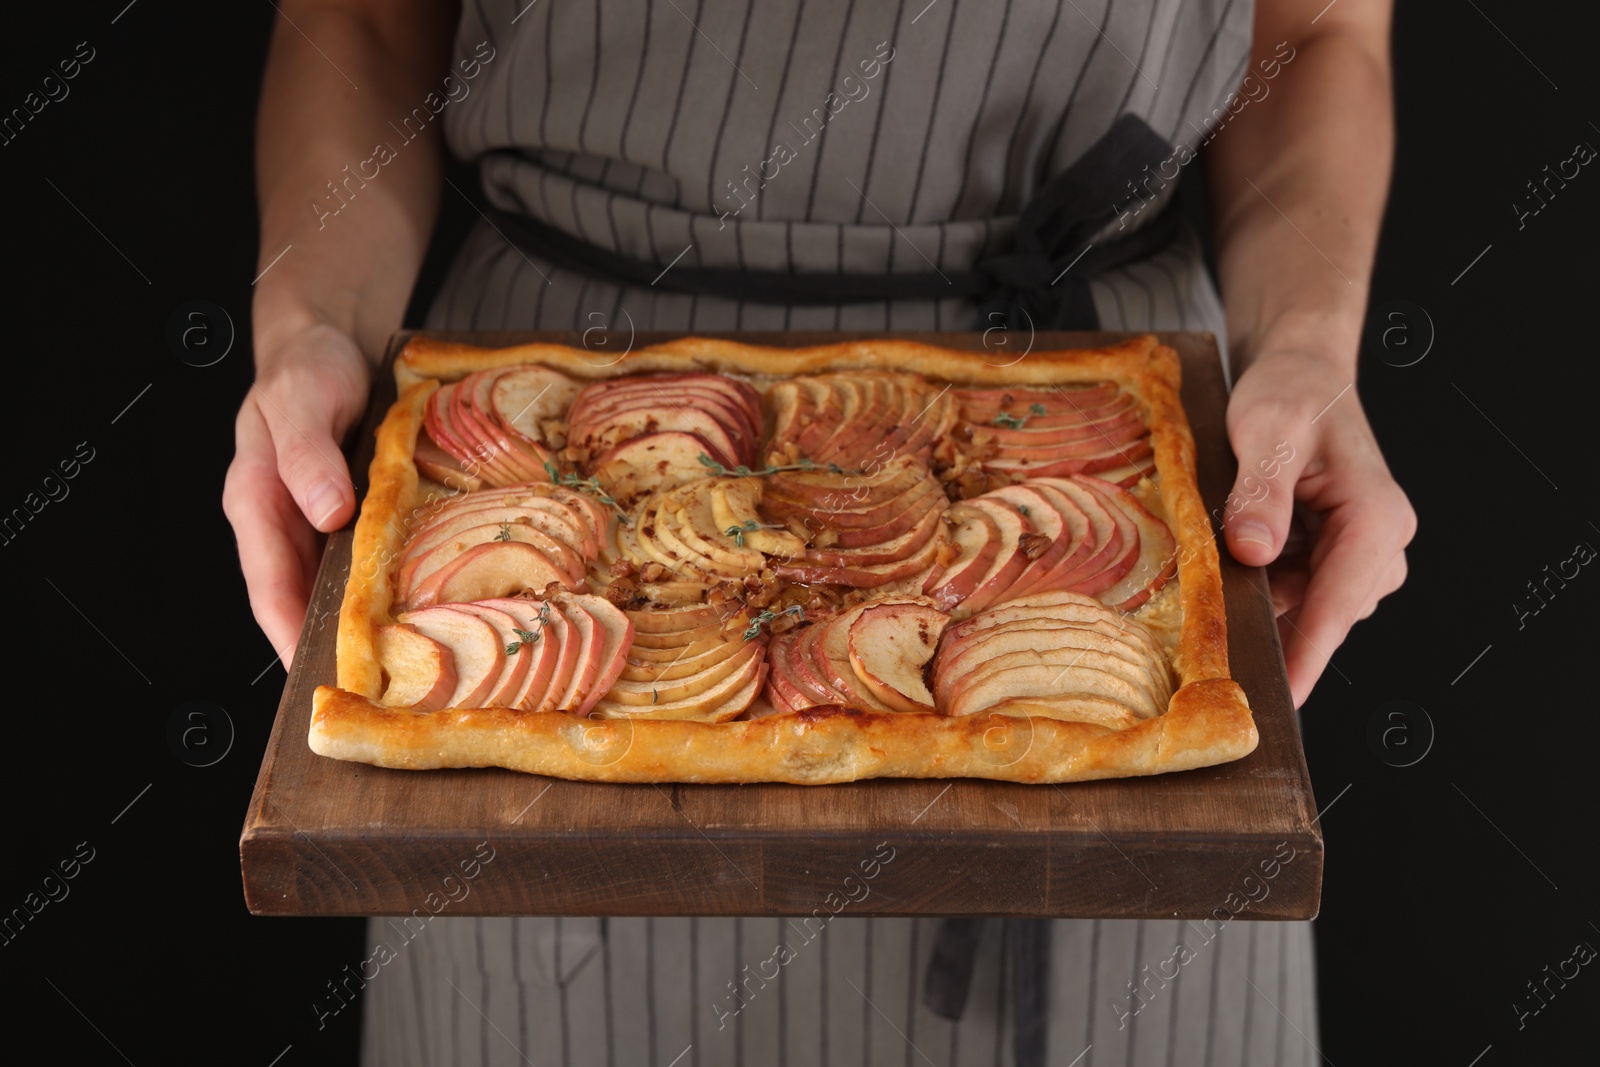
(309, 461)
(277, 547)
(1358, 559)
(1262, 501)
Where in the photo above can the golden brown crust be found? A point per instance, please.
(1207, 723)
(1208, 720)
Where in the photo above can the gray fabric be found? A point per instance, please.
(622, 123)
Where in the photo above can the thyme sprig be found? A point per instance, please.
(528, 637)
(753, 631)
(1017, 422)
(589, 485)
(505, 532)
(738, 532)
(742, 471)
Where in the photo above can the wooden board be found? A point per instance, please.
(325, 837)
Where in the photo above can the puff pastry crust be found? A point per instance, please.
(1206, 722)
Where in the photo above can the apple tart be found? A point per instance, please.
(710, 561)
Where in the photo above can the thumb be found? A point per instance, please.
(1258, 510)
(310, 461)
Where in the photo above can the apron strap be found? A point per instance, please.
(1042, 281)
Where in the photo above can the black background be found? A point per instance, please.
(1450, 884)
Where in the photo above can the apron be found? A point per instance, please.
(676, 166)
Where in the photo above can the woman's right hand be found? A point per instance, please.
(288, 483)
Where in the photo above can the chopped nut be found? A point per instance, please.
(653, 572)
(624, 568)
(1034, 545)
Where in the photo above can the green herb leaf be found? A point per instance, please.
(1009, 421)
(1036, 409)
(513, 648)
(753, 631)
(742, 471)
(505, 532)
(1023, 508)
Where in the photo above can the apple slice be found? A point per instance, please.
(868, 577)
(444, 468)
(474, 647)
(1157, 561)
(418, 568)
(497, 466)
(889, 646)
(977, 541)
(525, 459)
(496, 569)
(523, 398)
(686, 661)
(1113, 654)
(1044, 673)
(585, 633)
(516, 661)
(808, 669)
(617, 631)
(543, 650)
(1010, 558)
(652, 462)
(1048, 523)
(724, 700)
(667, 690)
(421, 671)
(783, 688)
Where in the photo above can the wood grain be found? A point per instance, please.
(325, 837)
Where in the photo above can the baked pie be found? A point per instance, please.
(710, 561)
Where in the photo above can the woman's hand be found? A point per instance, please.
(288, 482)
(1296, 443)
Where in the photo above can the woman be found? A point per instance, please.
(820, 165)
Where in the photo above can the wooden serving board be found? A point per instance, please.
(325, 837)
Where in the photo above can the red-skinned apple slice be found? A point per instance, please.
(869, 577)
(524, 457)
(783, 690)
(890, 551)
(499, 467)
(651, 463)
(1105, 538)
(444, 468)
(522, 398)
(1121, 505)
(689, 409)
(514, 665)
(421, 671)
(583, 630)
(1010, 559)
(1029, 468)
(483, 572)
(977, 539)
(419, 570)
(1158, 551)
(474, 647)
(544, 651)
(1105, 652)
(441, 427)
(1044, 674)
(1092, 445)
(552, 517)
(1038, 436)
(1047, 522)
(889, 645)
(737, 400)
(617, 629)
(809, 671)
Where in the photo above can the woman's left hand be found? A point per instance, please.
(1300, 435)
